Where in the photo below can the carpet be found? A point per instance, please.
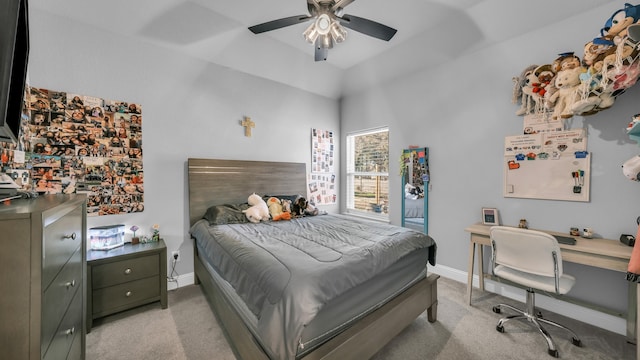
(188, 330)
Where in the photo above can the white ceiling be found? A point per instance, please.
(429, 33)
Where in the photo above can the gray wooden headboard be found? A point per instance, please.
(216, 182)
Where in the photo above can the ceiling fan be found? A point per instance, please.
(327, 26)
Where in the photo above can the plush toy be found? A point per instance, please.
(595, 51)
(301, 207)
(567, 82)
(544, 75)
(311, 210)
(616, 26)
(523, 90)
(412, 192)
(258, 210)
(565, 61)
(275, 210)
(286, 206)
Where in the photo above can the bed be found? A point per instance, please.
(352, 316)
(414, 208)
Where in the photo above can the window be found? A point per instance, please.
(368, 172)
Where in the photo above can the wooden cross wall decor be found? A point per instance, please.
(248, 124)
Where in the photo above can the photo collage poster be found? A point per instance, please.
(322, 180)
(72, 143)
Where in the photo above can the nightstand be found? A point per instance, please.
(123, 278)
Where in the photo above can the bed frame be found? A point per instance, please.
(214, 182)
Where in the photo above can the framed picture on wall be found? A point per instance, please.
(490, 216)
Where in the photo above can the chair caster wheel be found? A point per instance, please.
(496, 309)
(539, 314)
(500, 328)
(576, 342)
(553, 353)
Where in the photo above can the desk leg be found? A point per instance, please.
(472, 250)
(481, 267)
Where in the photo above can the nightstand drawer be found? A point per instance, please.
(70, 328)
(122, 271)
(61, 239)
(58, 296)
(118, 297)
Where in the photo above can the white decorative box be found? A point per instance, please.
(106, 237)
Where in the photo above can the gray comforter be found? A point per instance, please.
(285, 271)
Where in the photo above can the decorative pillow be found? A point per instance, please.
(226, 214)
(281, 197)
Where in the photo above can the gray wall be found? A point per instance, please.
(190, 108)
(462, 111)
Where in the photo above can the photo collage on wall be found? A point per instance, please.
(71, 143)
(322, 180)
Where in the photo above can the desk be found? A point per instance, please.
(601, 253)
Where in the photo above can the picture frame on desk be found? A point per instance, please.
(490, 216)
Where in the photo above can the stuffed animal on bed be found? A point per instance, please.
(275, 210)
(258, 210)
(286, 205)
(301, 207)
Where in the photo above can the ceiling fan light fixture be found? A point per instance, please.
(311, 34)
(323, 24)
(338, 33)
(327, 42)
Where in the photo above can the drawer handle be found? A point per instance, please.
(128, 294)
(128, 271)
(71, 283)
(72, 236)
(70, 331)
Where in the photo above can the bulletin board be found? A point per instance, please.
(552, 166)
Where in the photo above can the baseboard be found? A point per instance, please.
(593, 317)
(180, 281)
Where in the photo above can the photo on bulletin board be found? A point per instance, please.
(490, 216)
(322, 151)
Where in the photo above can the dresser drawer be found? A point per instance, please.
(70, 328)
(61, 239)
(115, 298)
(126, 270)
(58, 296)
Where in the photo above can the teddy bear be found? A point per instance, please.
(258, 210)
(275, 210)
(567, 82)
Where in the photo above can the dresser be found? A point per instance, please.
(42, 275)
(125, 277)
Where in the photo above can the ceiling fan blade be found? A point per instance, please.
(321, 53)
(280, 23)
(367, 27)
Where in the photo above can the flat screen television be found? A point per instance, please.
(14, 55)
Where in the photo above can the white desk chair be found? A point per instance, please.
(532, 259)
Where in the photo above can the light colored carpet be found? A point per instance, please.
(188, 330)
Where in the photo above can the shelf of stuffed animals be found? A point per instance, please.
(633, 129)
